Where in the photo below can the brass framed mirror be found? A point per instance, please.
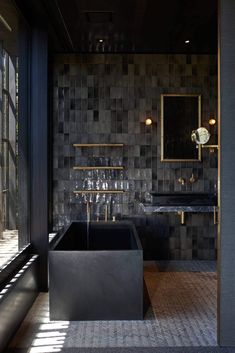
(180, 115)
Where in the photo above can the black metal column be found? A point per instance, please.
(39, 150)
(24, 134)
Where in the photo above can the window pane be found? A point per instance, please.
(10, 242)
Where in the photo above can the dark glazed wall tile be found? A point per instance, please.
(104, 98)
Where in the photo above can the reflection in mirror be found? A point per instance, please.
(180, 115)
(200, 136)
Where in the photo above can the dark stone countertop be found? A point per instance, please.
(151, 208)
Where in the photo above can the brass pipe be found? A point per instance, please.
(88, 211)
(210, 146)
(106, 213)
(182, 217)
(215, 216)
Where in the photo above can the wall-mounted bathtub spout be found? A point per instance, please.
(88, 212)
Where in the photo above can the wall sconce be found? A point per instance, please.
(212, 121)
(148, 121)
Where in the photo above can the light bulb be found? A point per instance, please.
(212, 121)
(148, 121)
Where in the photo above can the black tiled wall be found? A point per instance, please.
(105, 98)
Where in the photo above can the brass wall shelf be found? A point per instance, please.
(98, 168)
(98, 145)
(77, 192)
(99, 191)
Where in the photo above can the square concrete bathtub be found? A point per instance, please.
(96, 279)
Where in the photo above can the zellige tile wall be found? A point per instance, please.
(104, 98)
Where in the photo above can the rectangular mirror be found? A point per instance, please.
(180, 115)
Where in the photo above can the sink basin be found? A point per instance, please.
(184, 199)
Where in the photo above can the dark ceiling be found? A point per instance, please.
(160, 26)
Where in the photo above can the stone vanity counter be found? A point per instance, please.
(151, 208)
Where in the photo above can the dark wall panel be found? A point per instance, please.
(226, 308)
